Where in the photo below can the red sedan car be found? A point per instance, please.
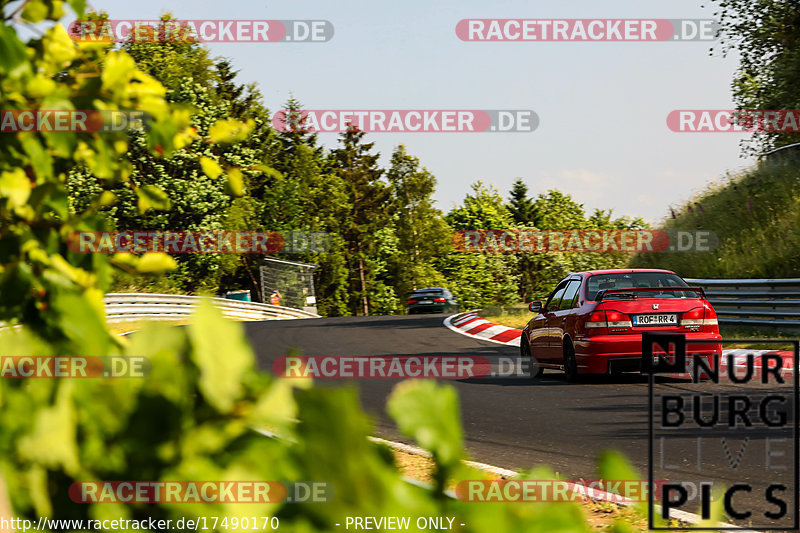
(592, 322)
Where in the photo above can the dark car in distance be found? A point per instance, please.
(432, 300)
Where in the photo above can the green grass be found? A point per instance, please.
(512, 316)
(754, 335)
(511, 321)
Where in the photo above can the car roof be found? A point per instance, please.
(429, 289)
(623, 271)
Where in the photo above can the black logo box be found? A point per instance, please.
(678, 340)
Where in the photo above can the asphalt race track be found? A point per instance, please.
(516, 422)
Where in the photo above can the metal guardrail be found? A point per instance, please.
(121, 307)
(773, 303)
(788, 154)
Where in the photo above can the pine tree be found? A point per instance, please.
(520, 205)
(368, 199)
(422, 234)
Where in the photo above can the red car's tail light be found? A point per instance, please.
(616, 319)
(608, 319)
(693, 317)
(711, 317)
(699, 316)
(411, 302)
(440, 300)
(597, 320)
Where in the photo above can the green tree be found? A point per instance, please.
(422, 235)
(766, 35)
(553, 210)
(479, 279)
(368, 197)
(172, 61)
(218, 200)
(522, 208)
(520, 205)
(313, 196)
(556, 210)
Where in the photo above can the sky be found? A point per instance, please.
(602, 106)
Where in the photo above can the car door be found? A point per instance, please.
(562, 319)
(545, 351)
(537, 334)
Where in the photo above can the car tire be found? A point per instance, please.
(534, 370)
(570, 363)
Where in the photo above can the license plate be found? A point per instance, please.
(655, 320)
(425, 302)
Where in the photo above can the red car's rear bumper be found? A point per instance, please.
(602, 354)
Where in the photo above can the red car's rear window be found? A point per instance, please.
(629, 280)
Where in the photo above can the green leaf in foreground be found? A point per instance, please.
(429, 413)
(156, 263)
(12, 51)
(15, 186)
(230, 130)
(235, 182)
(151, 197)
(613, 466)
(210, 167)
(222, 354)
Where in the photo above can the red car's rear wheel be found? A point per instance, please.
(534, 370)
(570, 363)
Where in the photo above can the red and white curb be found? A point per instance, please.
(471, 325)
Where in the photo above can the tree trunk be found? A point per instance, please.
(363, 285)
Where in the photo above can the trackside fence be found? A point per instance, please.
(770, 303)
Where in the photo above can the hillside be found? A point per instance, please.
(756, 217)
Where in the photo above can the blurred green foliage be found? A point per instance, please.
(194, 417)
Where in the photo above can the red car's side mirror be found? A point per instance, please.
(535, 306)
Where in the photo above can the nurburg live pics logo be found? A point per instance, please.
(729, 432)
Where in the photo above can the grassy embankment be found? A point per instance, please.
(756, 217)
